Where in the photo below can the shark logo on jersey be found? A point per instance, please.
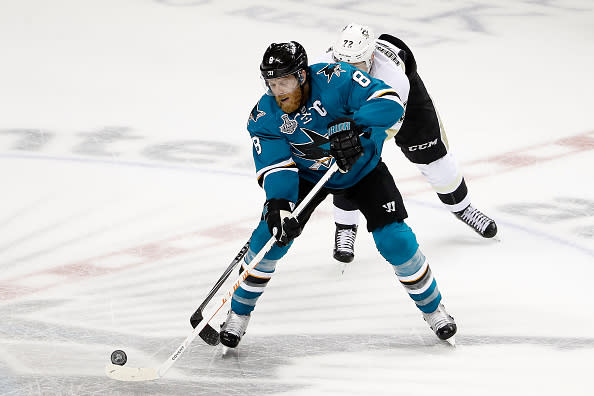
(289, 126)
(256, 113)
(316, 150)
(330, 70)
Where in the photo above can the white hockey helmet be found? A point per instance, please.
(355, 44)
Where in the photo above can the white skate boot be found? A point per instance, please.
(442, 324)
(233, 329)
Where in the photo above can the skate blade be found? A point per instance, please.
(228, 352)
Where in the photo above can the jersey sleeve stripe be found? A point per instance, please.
(283, 164)
(385, 93)
(270, 172)
(288, 165)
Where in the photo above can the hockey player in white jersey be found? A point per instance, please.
(419, 134)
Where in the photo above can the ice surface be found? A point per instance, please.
(128, 188)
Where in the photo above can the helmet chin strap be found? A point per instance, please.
(303, 96)
(369, 63)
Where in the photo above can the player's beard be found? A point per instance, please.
(292, 101)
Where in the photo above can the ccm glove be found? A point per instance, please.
(345, 145)
(281, 222)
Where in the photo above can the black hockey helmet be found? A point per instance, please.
(282, 59)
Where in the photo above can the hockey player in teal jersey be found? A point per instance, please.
(309, 117)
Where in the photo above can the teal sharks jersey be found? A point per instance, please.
(289, 146)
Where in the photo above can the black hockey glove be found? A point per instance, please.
(281, 222)
(345, 145)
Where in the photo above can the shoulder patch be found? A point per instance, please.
(330, 70)
(256, 113)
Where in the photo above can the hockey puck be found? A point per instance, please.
(119, 357)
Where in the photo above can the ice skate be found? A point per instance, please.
(233, 329)
(478, 221)
(442, 324)
(344, 242)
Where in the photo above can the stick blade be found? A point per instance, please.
(124, 373)
(208, 333)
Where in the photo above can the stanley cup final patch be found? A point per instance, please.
(289, 126)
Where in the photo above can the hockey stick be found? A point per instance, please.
(124, 373)
(209, 334)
